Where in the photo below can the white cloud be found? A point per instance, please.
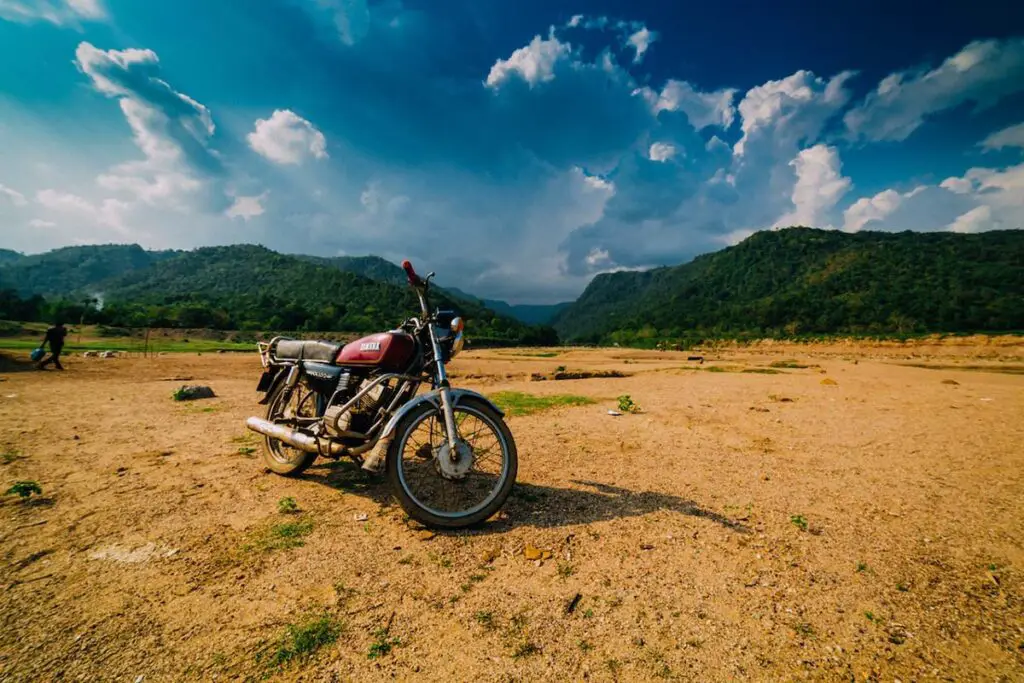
(167, 125)
(287, 138)
(575, 21)
(13, 196)
(247, 208)
(351, 18)
(983, 72)
(641, 40)
(702, 108)
(40, 223)
(661, 151)
(171, 129)
(977, 219)
(982, 199)
(867, 209)
(794, 109)
(599, 258)
(819, 187)
(535, 63)
(58, 12)
(108, 213)
(1007, 137)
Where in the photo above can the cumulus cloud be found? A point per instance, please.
(661, 151)
(702, 108)
(247, 208)
(641, 40)
(977, 219)
(1007, 137)
(287, 138)
(819, 187)
(981, 199)
(791, 110)
(868, 209)
(165, 122)
(12, 196)
(58, 12)
(533, 63)
(983, 72)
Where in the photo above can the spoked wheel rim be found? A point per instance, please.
(301, 403)
(469, 487)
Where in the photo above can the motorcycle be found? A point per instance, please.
(448, 454)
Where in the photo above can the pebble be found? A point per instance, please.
(425, 534)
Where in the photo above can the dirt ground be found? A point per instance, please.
(858, 519)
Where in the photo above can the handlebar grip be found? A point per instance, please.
(414, 279)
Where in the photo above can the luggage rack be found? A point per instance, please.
(265, 349)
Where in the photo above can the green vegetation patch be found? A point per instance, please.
(300, 641)
(517, 403)
(281, 536)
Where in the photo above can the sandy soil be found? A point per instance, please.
(743, 526)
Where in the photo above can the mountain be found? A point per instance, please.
(372, 267)
(238, 287)
(9, 256)
(531, 314)
(62, 272)
(808, 281)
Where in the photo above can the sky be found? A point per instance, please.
(515, 148)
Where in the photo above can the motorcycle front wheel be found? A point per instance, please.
(472, 485)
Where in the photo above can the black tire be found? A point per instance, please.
(278, 457)
(483, 411)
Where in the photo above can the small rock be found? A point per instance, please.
(532, 553)
(951, 382)
(425, 534)
(361, 517)
(75, 437)
(646, 546)
(191, 392)
(828, 381)
(489, 555)
(614, 413)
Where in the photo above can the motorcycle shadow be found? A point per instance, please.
(538, 506)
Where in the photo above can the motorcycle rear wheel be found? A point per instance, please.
(409, 465)
(279, 457)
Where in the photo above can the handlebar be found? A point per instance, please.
(414, 279)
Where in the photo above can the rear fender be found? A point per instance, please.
(279, 377)
(434, 397)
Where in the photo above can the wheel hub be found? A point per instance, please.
(458, 465)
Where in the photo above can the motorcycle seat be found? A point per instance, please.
(299, 349)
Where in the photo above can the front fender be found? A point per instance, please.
(434, 397)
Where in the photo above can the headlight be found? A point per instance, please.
(457, 326)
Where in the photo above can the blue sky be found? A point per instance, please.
(515, 148)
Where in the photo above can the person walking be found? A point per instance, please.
(55, 338)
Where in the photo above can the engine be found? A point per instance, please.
(355, 421)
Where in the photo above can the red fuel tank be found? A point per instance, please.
(388, 350)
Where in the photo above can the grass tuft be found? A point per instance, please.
(281, 536)
(300, 641)
(517, 403)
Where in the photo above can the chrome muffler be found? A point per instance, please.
(295, 438)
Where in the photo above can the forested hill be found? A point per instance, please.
(63, 271)
(806, 281)
(236, 287)
(372, 267)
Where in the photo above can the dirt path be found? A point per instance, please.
(743, 526)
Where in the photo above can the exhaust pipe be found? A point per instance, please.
(294, 438)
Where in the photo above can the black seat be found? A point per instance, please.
(299, 349)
